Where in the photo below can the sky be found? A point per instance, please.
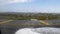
(44, 6)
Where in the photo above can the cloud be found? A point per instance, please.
(14, 1)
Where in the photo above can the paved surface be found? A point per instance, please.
(5, 21)
(44, 22)
(11, 26)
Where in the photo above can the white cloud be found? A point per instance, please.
(14, 1)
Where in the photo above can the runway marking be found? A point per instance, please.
(5, 21)
(44, 22)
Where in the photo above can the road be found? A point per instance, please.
(11, 26)
(5, 21)
(8, 23)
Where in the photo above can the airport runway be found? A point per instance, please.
(11, 26)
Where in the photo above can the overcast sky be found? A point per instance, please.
(45, 6)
